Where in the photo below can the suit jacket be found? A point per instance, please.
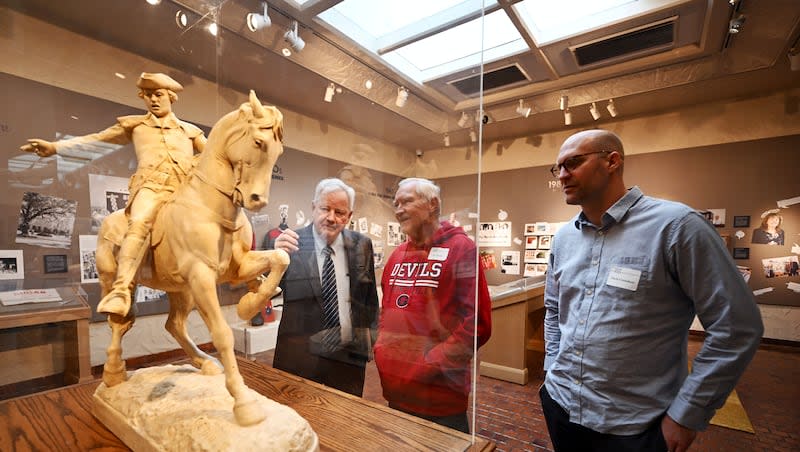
(301, 318)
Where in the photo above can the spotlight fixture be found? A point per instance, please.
(463, 121)
(181, 19)
(212, 28)
(473, 137)
(257, 21)
(563, 103)
(368, 84)
(612, 108)
(523, 110)
(329, 91)
(567, 117)
(446, 140)
(293, 38)
(402, 96)
(154, 2)
(735, 25)
(594, 111)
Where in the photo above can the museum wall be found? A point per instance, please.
(742, 179)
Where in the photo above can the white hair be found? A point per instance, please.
(333, 184)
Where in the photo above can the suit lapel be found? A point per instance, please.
(308, 258)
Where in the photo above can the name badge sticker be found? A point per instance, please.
(438, 254)
(624, 278)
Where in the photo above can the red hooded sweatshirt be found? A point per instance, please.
(427, 324)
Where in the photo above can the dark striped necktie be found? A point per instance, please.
(330, 300)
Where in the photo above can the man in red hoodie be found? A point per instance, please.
(427, 330)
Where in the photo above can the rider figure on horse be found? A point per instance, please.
(164, 147)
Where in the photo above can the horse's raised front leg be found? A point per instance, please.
(180, 305)
(114, 371)
(251, 268)
(203, 289)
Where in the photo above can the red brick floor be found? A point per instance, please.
(510, 415)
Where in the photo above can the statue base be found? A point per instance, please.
(176, 408)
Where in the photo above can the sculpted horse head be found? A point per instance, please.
(250, 139)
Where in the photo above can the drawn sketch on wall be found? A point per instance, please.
(494, 234)
(88, 246)
(106, 195)
(46, 220)
(785, 266)
(509, 262)
(363, 225)
(376, 230)
(12, 265)
(770, 231)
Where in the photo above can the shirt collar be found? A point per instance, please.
(167, 122)
(319, 243)
(616, 212)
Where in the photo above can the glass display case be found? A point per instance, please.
(76, 77)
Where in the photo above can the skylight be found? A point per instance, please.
(427, 39)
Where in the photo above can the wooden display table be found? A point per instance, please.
(517, 342)
(72, 314)
(61, 419)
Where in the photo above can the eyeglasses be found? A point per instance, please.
(572, 163)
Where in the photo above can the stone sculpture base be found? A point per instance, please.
(176, 408)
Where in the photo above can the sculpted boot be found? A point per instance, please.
(118, 301)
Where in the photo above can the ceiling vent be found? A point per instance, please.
(503, 77)
(638, 42)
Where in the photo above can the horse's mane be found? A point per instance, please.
(235, 125)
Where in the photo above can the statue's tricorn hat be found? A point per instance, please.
(157, 80)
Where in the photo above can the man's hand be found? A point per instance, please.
(287, 241)
(39, 147)
(677, 437)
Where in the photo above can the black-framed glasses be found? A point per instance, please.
(572, 163)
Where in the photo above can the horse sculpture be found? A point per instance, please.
(201, 238)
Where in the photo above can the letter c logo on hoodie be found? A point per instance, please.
(402, 301)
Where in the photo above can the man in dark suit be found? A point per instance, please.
(309, 345)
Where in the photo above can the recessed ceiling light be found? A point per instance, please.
(119, 75)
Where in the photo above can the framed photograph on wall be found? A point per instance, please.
(742, 221)
(55, 263)
(741, 253)
(12, 265)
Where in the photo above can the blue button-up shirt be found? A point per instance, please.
(620, 298)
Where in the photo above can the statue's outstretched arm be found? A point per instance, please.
(42, 148)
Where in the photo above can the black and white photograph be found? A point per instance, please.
(45, 221)
(394, 236)
(11, 264)
(88, 246)
(509, 262)
(55, 263)
(494, 234)
(106, 195)
(146, 294)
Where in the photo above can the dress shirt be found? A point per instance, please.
(620, 298)
(339, 258)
